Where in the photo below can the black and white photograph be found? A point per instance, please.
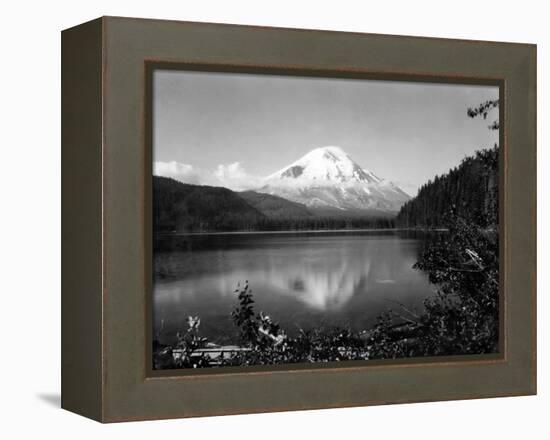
(279, 219)
(302, 220)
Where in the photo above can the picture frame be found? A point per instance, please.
(107, 223)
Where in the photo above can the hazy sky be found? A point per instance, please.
(247, 126)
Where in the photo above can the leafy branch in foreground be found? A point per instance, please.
(259, 331)
(462, 318)
(483, 110)
(187, 351)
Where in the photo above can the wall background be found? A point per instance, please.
(30, 218)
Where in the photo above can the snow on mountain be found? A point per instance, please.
(327, 177)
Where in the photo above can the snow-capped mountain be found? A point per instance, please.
(327, 177)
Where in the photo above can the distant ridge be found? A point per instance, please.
(185, 208)
(182, 207)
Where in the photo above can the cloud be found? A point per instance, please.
(180, 171)
(232, 171)
(232, 176)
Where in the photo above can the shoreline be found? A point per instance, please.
(304, 231)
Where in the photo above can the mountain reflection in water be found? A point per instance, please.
(301, 280)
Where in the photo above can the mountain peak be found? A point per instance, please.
(327, 164)
(328, 177)
(329, 151)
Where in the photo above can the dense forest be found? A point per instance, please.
(179, 207)
(275, 207)
(470, 190)
(182, 208)
(327, 223)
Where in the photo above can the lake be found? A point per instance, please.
(301, 280)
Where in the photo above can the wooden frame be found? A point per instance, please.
(106, 193)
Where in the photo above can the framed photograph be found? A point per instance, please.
(263, 219)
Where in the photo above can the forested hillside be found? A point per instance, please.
(181, 207)
(275, 207)
(470, 190)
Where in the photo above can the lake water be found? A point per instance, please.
(299, 279)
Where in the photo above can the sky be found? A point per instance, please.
(232, 129)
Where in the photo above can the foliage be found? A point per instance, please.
(483, 110)
(269, 344)
(462, 318)
(262, 342)
(255, 331)
(186, 352)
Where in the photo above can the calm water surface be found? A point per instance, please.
(299, 279)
